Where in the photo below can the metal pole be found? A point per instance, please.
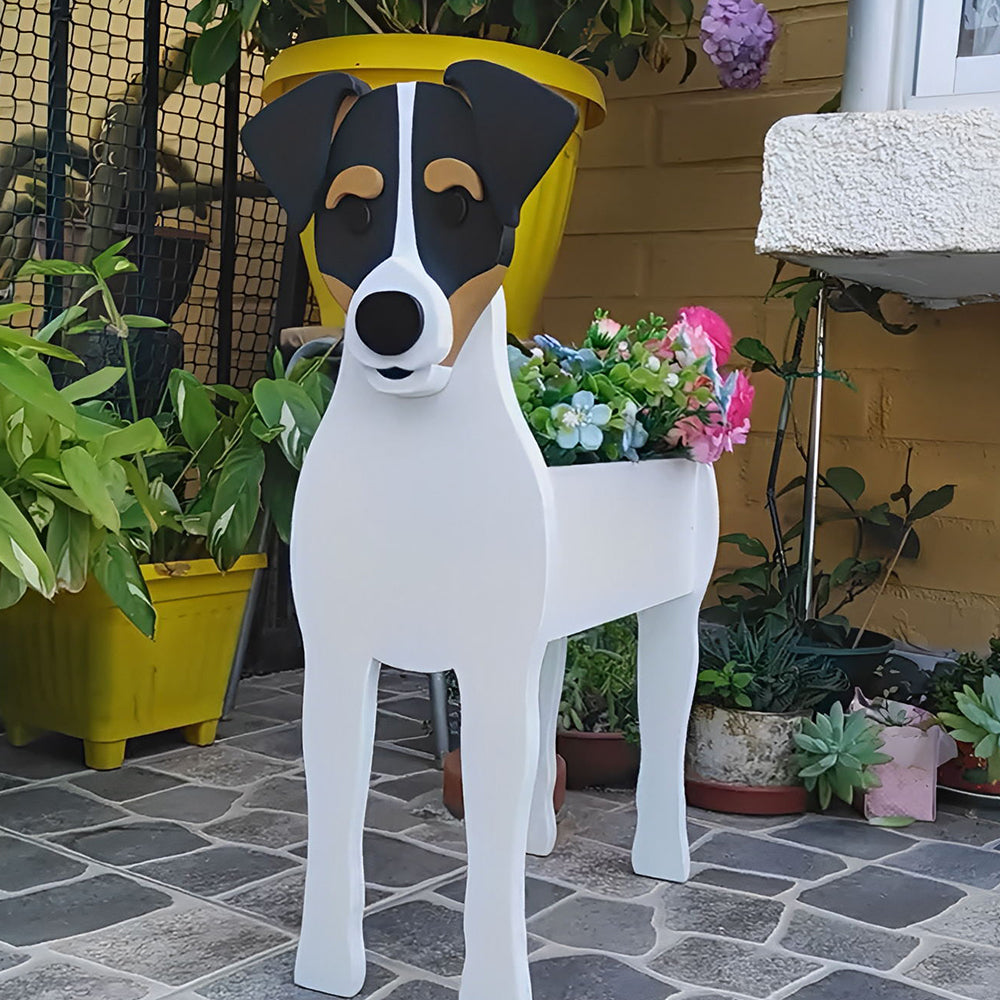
(56, 149)
(439, 715)
(812, 458)
(227, 241)
(147, 261)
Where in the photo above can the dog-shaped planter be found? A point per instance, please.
(427, 530)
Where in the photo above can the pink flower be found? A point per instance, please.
(738, 414)
(607, 327)
(706, 441)
(715, 327)
(689, 343)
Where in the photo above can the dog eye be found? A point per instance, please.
(453, 206)
(355, 212)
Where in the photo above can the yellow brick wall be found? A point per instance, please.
(664, 215)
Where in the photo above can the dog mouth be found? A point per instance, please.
(396, 374)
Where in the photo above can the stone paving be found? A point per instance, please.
(181, 876)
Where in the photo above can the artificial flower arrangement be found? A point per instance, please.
(647, 391)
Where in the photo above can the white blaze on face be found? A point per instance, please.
(405, 243)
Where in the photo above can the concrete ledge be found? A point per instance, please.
(906, 200)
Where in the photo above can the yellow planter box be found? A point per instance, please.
(76, 665)
(382, 60)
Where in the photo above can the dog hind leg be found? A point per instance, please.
(542, 824)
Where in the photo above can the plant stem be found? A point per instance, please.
(888, 573)
(127, 355)
(359, 10)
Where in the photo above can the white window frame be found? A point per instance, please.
(904, 54)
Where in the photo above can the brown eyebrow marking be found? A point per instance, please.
(439, 175)
(360, 180)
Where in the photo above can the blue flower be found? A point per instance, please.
(516, 359)
(634, 435)
(579, 422)
(567, 357)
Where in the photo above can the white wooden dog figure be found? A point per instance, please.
(428, 532)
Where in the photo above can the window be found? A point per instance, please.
(958, 50)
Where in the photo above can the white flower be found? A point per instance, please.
(672, 379)
(537, 352)
(653, 363)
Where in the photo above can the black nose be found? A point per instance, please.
(389, 323)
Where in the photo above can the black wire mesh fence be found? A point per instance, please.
(103, 136)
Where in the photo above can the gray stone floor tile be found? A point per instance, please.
(23, 865)
(50, 756)
(76, 908)
(447, 834)
(221, 765)
(190, 803)
(538, 894)
(420, 934)
(389, 814)
(599, 925)
(283, 743)
(616, 828)
(411, 786)
(883, 897)
(395, 727)
(253, 689)
(261, 827)
(421, 744)
(240, 723)
(974, 919)
(282, 707)
(593, 977)
(396, 864)
(961, 968)
(216, 869)
(271, 979)
(954, 862)
(278, 901)
(395, 762)
(177, 945)
(7, 783)
(50, 809)
(63, 981)
(696, 831)
(717, 911)
(592, 866)
(128, 782)
(844, 836)
(820, 936)
(284, 794)
(848, 984)
(132, 843)
(967, 827)
(760, 885)
(746, 968)
(755, 854)
(413, 707)
(10, 958)
(422, 989)
(393, 681)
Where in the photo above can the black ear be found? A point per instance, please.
(520, 125)
(289, 141)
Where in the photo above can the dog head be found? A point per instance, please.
(416, 190)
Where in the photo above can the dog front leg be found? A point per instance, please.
(338, 730)
(499, 760)
(542, 825)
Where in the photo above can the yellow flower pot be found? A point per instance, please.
(381, 60)
(76, 665)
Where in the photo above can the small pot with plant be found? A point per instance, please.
(754, 691)
(975, 726)
(111, 528)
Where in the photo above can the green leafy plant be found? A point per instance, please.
(950, 677)
(758, 667)
(599, 691)
(602, 34)
(978, 722)
(835, 754)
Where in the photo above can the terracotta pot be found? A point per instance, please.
(743, 762)
(607, 760)
(961, 772)
(454, 800)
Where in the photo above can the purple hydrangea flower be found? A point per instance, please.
(737, 35)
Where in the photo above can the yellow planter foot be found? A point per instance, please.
(201, 734)
(21, 736)
(104, 756)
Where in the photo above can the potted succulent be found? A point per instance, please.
(148, 517)
(554, 43)
(755, 688)
(975, 726)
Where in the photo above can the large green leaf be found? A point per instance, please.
(236, 502)
(85, 480)
(931, 503)
(287, 405)
(848, 482)
(216, 49)
(67, 544)
(137, 438)
(35, 388)
(17, 340)
(25, 428)
(12, 588)
(94, 384)
(278, 491)
(116, 570)
(195, 412)
(20, 550)
(746, 544)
